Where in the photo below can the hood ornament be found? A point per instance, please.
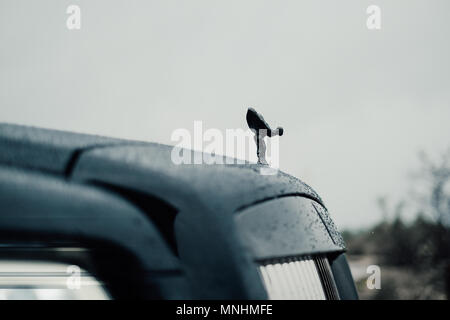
(261, 129)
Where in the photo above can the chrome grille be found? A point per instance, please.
(298, 278)
(327, 278)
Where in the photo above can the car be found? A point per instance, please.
(86, 216)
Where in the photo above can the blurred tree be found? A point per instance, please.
(415, 256)
(437, 175)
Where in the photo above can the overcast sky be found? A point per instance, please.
(356, 104)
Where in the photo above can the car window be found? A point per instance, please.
(47, 280)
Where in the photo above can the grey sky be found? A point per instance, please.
(356, 105)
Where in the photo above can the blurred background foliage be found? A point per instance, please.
(413, 254)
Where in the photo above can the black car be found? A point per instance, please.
(120, 216)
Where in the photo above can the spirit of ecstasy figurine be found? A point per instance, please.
(261, 129)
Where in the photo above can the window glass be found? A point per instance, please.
(46, 280)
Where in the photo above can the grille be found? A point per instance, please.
(298, 278)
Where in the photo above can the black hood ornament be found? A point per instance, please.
(261, 129)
